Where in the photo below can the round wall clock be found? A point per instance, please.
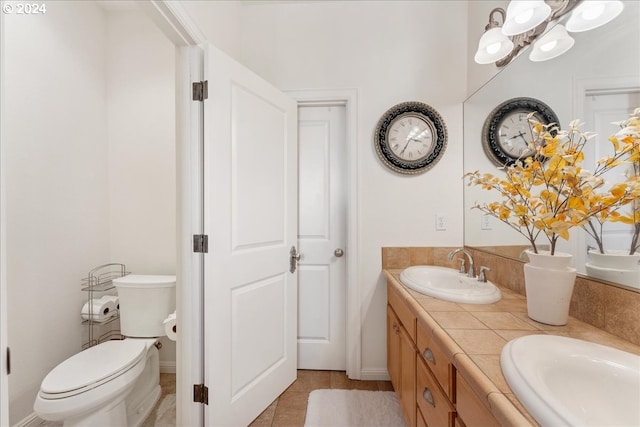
(410, 137)
(506, 133)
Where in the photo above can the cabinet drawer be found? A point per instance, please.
(404, 313)
(433, 404)
(436, 360)
(470, 408)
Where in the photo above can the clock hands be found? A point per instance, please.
(521, 135)
(407, 144)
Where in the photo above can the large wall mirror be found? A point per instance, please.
(596, 81)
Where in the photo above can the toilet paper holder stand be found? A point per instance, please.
(98, 283)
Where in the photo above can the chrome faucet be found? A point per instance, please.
(471, 272)
(482, 277)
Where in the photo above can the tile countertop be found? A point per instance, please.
(473, 335)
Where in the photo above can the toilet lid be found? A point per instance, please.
(93, 365)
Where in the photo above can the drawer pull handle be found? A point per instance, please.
(426, 394)
(428, 355)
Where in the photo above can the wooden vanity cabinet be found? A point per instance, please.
(432, 403)
(470, 408)
(435, 358)
(401, 354)
(431, 392)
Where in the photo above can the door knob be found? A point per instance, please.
(338, 253)
(294, 257)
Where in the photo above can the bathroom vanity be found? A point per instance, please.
(444, 357)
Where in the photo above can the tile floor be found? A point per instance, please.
(288, 410)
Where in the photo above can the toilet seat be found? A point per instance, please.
(92, 368)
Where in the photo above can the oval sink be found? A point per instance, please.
(569, 382)
(448, 284)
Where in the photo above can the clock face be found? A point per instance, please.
(507, 134)
(410, 138)
(515, 135)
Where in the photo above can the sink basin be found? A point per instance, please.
(448, 284)
(569, 382)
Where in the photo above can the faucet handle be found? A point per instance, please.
(482, 277)
(462, 269)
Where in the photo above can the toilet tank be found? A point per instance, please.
(145, 301)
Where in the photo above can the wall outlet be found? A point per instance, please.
(441, 222)
(485, 222)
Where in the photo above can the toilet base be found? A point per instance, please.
(113, 415)
(146, 392)
(136, 416)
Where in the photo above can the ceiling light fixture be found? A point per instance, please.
(493, 45)
(590, 14)
(525, 21)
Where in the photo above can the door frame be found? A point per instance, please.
(4, 380)
(349, 99)
(173, 20)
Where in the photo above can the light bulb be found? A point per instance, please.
(524, 15)
(493, 48)
(553, 43)
(549, 46)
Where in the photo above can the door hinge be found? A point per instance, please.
(201, 394)
(200, 90)
(8, 361)
(200, 243)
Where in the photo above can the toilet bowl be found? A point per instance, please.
(115, 383)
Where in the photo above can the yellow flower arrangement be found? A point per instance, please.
(549, 193)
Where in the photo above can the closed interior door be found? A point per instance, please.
(321, 238)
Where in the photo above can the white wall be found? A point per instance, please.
(141, 154)
(55, 150)
(141, 129)
(390, 52)
(219, 21)
(88, 147)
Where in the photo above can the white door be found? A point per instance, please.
(322, 236)
(250, 312)
(600, 111)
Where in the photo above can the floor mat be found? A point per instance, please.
(352, 408)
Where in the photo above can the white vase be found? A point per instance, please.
(615, 266)
(549, 282)
(559, 260)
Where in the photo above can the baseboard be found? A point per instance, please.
(30, 420)
(374, 374)
(167, 367)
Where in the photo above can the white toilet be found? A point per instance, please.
(115, 383)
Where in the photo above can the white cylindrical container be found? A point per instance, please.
(145, 301)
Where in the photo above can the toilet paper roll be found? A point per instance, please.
(98, 310)
(170, 326)
(113, 298)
